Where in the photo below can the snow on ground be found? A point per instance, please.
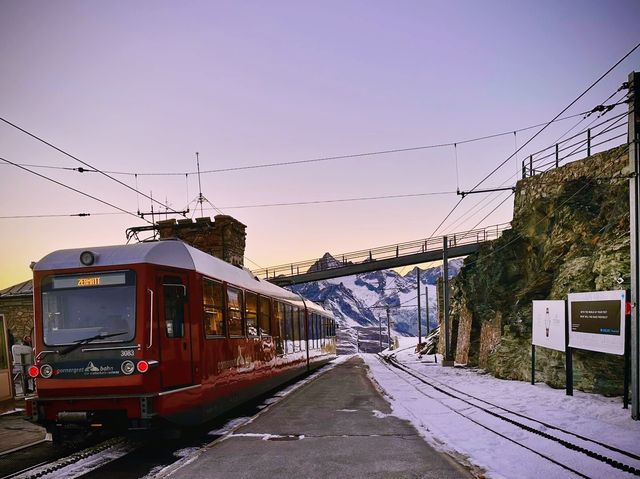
(589, 415)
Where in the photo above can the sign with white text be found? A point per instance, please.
(548, 325)
(596, 321)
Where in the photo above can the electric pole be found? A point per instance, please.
(634, 195)
(446, 361)
(419, 309)
(426, 303)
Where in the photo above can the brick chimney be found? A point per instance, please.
(224, 238)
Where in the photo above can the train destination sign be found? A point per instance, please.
(83, 281)
(596, 321)
(549, 324)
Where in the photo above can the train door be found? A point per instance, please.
(175, 331)
(5, 365)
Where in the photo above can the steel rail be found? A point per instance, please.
(392, 362)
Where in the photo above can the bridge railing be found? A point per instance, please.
(578, 146)
(383, 252)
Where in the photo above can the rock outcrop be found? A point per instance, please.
(570, 234)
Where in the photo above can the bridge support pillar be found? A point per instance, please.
(447, 360)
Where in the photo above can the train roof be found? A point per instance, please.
(170, 253)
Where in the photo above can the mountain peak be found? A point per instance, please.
(326, 262)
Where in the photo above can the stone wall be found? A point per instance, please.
(18, 315)
(463, 341)
(224, 238)
(570, 234)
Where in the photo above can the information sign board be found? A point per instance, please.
(596, 321)
(549, 325)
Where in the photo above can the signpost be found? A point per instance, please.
(548, 325)
(548, 329)
(596, 321)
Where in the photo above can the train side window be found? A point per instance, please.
(296, 327)
(174, 293)
(303, 330)
(251, 312)
(213, 308)
(323, 330)
(278, 322)
(264, 321)
(234, 311)
(316, 326)
(288, 329)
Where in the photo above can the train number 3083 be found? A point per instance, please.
(127, 352)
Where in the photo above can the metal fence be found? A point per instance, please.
(384, 252)
(589, 141)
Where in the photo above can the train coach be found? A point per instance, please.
(159, 333)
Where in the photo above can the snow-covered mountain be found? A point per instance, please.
(361, 300)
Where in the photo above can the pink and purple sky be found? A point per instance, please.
(140, 87)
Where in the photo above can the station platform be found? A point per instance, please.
(336, 426)
(16, 432)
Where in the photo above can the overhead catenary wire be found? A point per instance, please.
(60, 150)
(312, 160)
(519, 236)
(614, 121)
(56, 215)
(73, 189)
(573, 102)
(555, 118)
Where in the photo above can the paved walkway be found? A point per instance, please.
(337, 426)
(16, 431)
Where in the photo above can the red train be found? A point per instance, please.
(137, 336)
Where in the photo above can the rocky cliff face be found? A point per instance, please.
(570, 234)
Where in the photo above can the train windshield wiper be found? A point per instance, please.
(80, 342)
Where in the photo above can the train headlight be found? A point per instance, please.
(87, 258)
(127, 367)
(142, 366)
(34, 371)
(46, 371)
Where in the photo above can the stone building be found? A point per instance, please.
(16, 305)
(224, 238)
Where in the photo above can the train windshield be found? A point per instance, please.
(78, 307)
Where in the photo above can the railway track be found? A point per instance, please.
(78, 462)
(128, 458)
(583, 456)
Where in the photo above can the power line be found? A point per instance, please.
(72, 188)
(80, 161)
(541, 130)
(81, 215)
(518, 236)
(297, 162)
(558, 115)
(493, 210)
(341, 200)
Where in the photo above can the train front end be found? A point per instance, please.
(92, 370)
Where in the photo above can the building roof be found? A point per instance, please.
(22, 289)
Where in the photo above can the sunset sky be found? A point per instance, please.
(139, 87)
